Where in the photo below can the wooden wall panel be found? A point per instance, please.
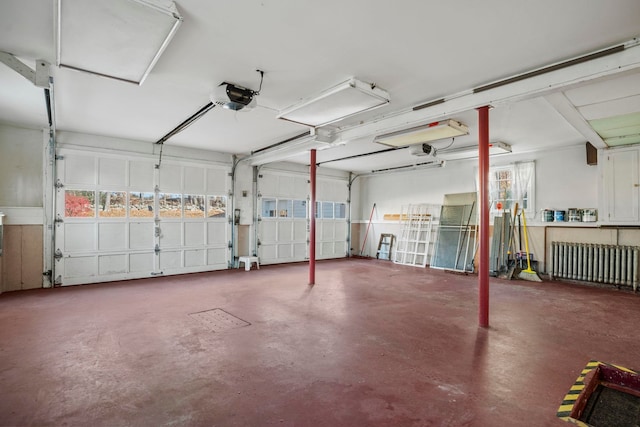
(22, 258)
(32, 250)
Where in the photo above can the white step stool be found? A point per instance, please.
(248, 260)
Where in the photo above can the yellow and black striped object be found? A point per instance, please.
(569, 401)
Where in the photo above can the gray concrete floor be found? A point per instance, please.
(371, 344)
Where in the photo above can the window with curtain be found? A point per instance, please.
(512, 183)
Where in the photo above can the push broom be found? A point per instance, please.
(527, 274)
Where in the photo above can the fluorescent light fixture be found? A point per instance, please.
(337, 103)
(120, 39)
(434, 164)
(471, 151)
(315, 140)
(425, 133)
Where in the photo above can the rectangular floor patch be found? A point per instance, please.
(218, 320)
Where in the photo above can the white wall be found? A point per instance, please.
(563, 180)
(244, 182)
(21, 200)
(20, 167)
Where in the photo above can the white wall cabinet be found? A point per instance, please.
(620, 201)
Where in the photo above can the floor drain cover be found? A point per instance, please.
(218, 320)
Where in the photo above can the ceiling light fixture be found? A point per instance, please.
(421, 134)
(471, 151)
(337, 103)
(86, 40)
(317, 139)
(418, 166)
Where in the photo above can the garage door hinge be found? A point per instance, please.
(58, 219)
(59, 157)
(259, 243)
(58, 254)
(157, 249)
(59, 184)
(229, 245)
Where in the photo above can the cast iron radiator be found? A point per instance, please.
(613, 264)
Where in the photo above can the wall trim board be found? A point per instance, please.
(23, 216)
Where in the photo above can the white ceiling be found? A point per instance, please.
(416, 50)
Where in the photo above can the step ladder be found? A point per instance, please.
(384, 246)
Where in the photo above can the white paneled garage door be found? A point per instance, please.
(331, 218)
(283, 217)
(118, 217)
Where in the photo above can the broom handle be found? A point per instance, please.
(526, 239)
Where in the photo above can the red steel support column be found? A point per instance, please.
(483, 171)
(312, 212)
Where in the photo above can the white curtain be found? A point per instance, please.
(522, 181)
(523, 174)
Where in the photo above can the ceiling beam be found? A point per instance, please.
(562, 105)
(536, 86)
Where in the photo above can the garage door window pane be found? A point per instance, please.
(79, 203)
(327, 210)
(217, 207)
(299, 208)
(340, 210)
(140, 205)
(193, 206)
(113, 204)
(284, 209)
(170, 205)
(269, 208)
